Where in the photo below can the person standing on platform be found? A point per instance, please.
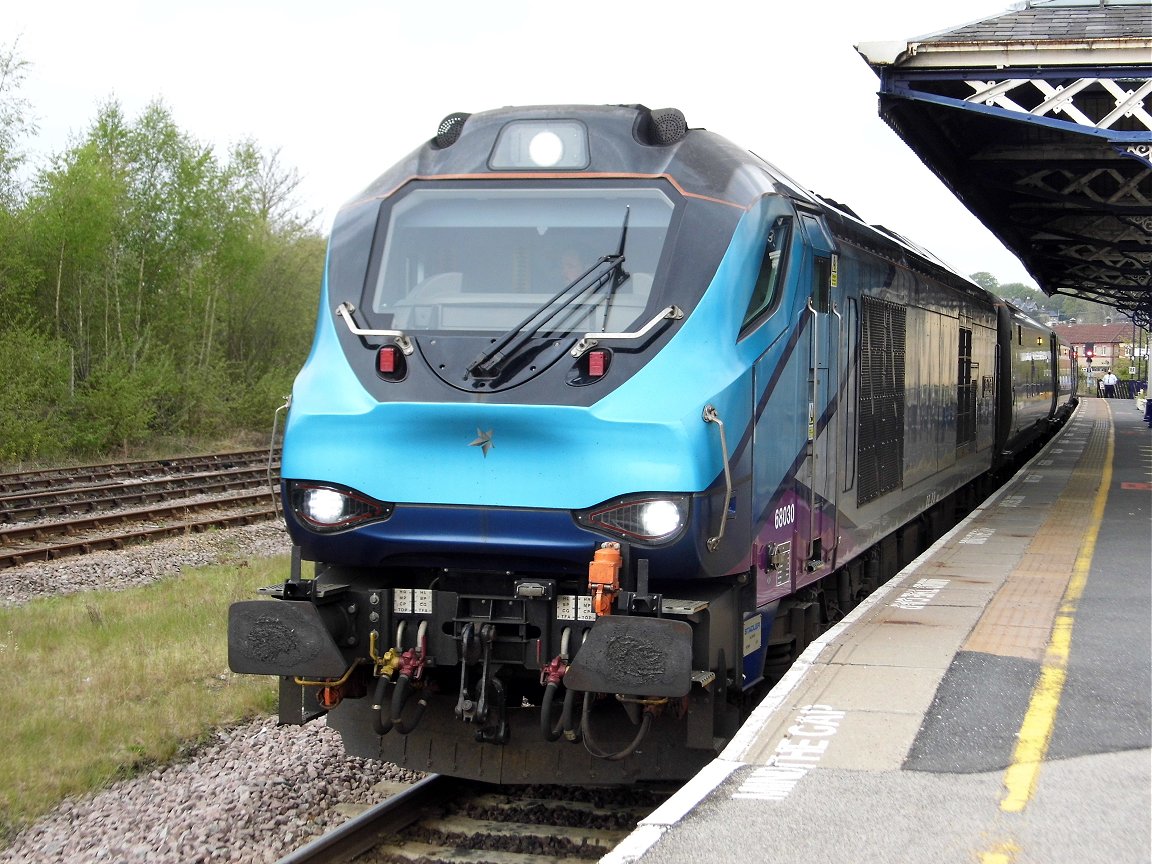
(1110, 380)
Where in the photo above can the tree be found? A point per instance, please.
(1009, 290)
(16, 279)
(15, 123)
(163, 290)
(35, 369)
(986, 281)
(75, 212)
(271, 187)
(1060, 305)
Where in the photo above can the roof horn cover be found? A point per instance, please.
(661, 127)
(449, 130)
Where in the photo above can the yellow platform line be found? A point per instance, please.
(1005, 853)
(1036, 730)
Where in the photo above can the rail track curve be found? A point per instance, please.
(443, 820)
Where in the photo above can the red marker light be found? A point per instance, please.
(386, 360)
(597, 363)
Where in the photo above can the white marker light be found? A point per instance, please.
(541, 144)
(546, 149)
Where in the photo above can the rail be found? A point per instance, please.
(180, 496)
(442, 819)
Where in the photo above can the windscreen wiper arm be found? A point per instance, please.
(488, 364)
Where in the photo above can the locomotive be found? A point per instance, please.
(605, 419)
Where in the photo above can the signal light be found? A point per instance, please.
(597, 364)
(590, 367)
(386, 359)
(390, 363)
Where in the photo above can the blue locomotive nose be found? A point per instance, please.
(515, 486)
(549, 457)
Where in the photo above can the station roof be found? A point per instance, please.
(1040, 121)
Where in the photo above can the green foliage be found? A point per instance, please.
(35, 369)
(1020, 292)
(116, 406)
(1058, 305)
(15, 122)
(148, 286)
(254, 408)
(985, 280)
(1015, 291)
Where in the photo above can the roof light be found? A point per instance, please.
(545, 148)
(539, 144)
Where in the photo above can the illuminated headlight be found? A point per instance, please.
(333, 508)
(541, 144)
(644, 519)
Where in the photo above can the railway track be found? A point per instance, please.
(61, 512)
(29, 506)
(51, 478)
(442, 820)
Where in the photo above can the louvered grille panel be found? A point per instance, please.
(881, 408)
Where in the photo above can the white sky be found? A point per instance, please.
(344, 88)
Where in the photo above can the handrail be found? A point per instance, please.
(834, 383)
(345, 310)
(711, 416)
(813, 432)
(591, 340)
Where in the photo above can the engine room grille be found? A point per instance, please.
(881, 401)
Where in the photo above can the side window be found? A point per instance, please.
(771, 268)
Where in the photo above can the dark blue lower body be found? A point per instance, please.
(521, 540)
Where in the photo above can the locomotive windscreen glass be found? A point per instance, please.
(484, 259)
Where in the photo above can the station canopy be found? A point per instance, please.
(1040, 121)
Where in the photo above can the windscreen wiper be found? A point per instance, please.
(608, 270)
(620, 276)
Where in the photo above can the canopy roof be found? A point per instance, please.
(1040, 121)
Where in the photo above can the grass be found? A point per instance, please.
(99, 687)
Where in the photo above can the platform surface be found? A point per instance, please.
(992, 703)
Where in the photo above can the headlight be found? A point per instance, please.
(325, 507)
(541, 144)
(643, 518)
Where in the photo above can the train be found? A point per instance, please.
(604, 421)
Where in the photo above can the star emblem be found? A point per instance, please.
(483, 441)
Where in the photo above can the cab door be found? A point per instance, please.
(817, 535)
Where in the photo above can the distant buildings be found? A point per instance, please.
(1100, 347)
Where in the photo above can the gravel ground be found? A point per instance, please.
(252, 794)
(139, 565)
